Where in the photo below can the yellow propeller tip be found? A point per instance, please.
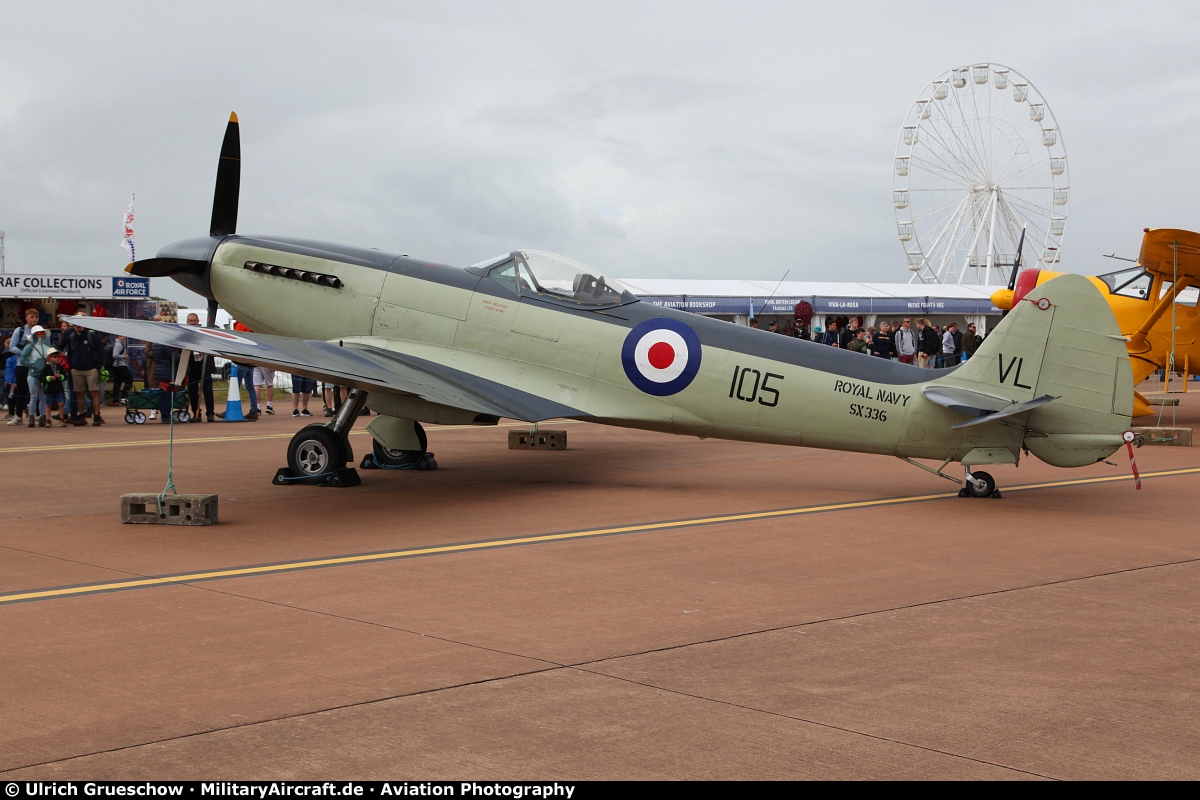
(129, 268)
(233, 116)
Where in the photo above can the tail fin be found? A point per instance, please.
(1061, 341)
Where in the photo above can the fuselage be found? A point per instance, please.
(749, 385)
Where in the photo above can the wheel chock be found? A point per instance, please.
(423, 462)
(344, 477)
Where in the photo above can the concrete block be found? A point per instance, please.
(1171, 437)
(1162, 401)
(541, 440)
(178, 509)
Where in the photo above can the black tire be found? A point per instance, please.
(315, 450)
(347, 450)
(182, 415)
(981, 484)
(139, 417)
(401, 458)
(130, 418)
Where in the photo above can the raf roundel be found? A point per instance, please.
(661, 356)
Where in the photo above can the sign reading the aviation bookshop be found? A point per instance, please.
(88, 287)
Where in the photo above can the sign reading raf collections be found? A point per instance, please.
(92, 287)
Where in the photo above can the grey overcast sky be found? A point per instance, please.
(649, 139)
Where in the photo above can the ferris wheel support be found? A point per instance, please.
(991, 252)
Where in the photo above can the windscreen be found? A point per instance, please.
(1132, 282)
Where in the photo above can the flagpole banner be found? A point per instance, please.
(127, 226)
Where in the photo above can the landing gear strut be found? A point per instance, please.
(979, 484)
(317, 455)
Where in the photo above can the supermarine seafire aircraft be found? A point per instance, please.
(533, 336)
(1154, 301)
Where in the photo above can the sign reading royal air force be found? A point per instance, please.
(661, 356)
(130, 287)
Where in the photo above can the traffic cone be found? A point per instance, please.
(233, 406)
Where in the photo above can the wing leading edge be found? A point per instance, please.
(371, 369)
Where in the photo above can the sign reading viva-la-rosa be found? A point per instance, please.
(84, 286)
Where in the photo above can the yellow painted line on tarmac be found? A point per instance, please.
(492, 544)
(201, 439)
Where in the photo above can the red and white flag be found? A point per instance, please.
(127, 226)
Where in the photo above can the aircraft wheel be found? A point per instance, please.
(315, 450)
(405, 459)
(981, 484)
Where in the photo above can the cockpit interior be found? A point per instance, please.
(555, 279)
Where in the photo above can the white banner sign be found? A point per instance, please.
(90, 287)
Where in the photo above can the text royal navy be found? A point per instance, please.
(871, 393)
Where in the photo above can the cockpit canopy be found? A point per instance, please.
(1132, 282)
(554, 278)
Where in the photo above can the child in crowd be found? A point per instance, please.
(10, 380)
(53, 380)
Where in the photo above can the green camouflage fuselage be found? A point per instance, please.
(751, 385)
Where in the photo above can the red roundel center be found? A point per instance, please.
(661, 355)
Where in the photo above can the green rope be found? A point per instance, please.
(171, 446)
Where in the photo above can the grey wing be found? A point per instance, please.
(372, 369)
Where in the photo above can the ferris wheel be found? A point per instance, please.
(979, 159)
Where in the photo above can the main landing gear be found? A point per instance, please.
(979, 484)
(382, 457)
(318, 454)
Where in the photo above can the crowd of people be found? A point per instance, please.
(50, 380)
(907, 340)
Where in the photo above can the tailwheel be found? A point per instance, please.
(382, 457)
(318, 455)
(980, 484)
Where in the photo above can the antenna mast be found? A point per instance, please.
(2, 252)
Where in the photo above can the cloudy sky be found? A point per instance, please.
(649, 139)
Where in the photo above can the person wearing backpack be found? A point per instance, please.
(85, 352)
(20, 338)
(122, 378)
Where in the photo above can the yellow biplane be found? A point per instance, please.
(1154, 301)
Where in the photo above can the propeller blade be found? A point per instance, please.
(229, 179)
(212, 313)
(166, 267)
(1012, 279)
